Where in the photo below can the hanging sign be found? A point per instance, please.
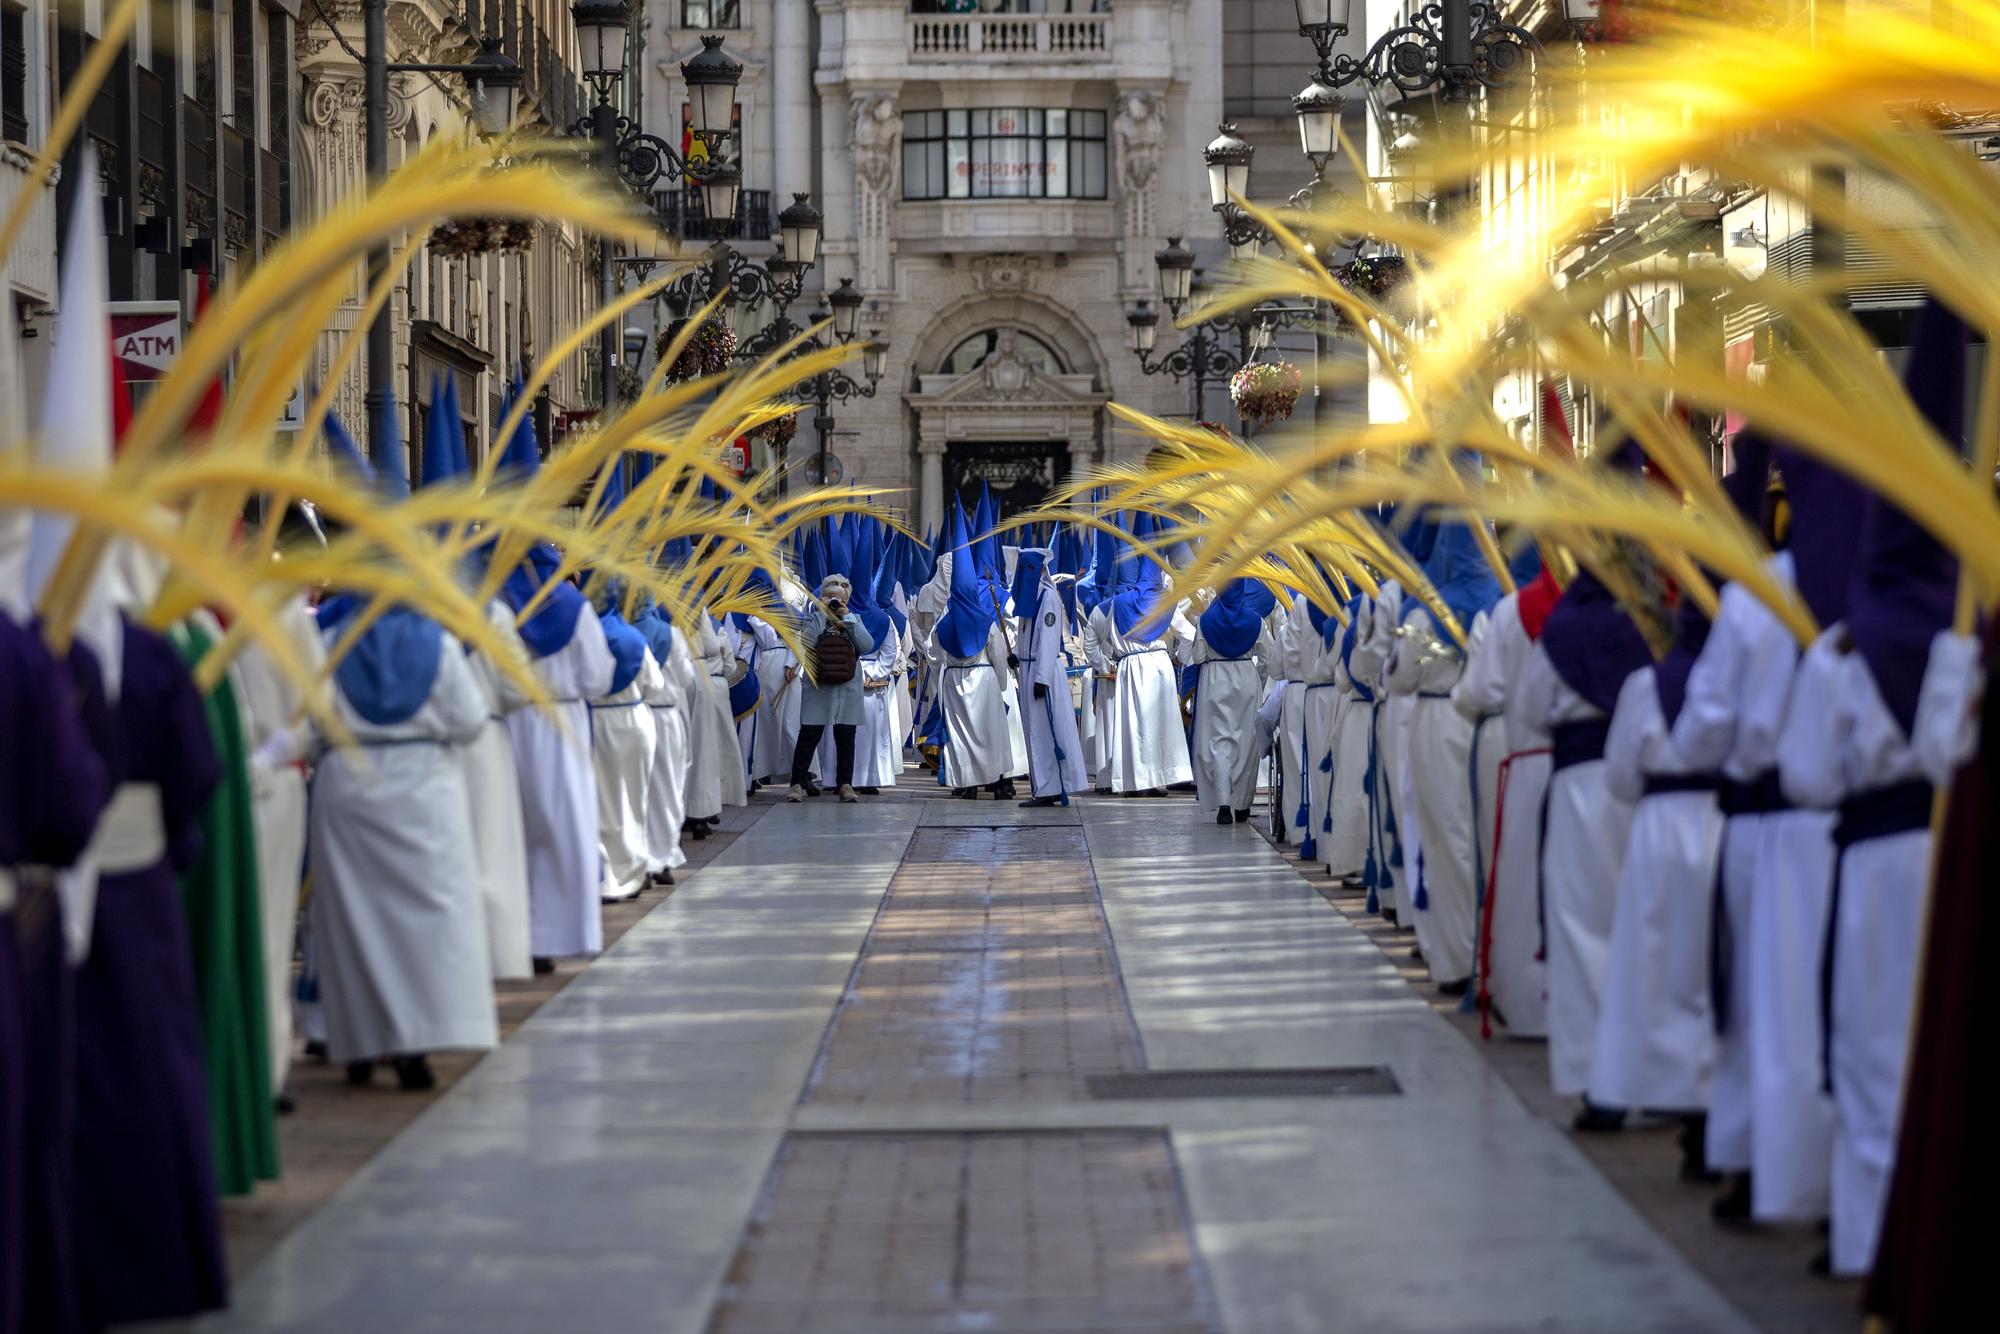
(145, 337)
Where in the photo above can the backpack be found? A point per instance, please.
(834, 658)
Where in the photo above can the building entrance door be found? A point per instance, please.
(1020, 473)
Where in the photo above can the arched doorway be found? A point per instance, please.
(1005, 407)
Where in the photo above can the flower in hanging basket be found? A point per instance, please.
(779, 431)
(1373, 275)
(462, 238)
(1266, 391)
(707, 353)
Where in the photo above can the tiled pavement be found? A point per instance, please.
(599, 1171)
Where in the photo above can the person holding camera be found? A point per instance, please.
(831, 685)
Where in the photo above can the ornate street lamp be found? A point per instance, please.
(1318, 107)
(846, 303)
(1323, 23)
(1455, 43)
(1176, 265)
(1228, 157)
(1145, 325)
(711, 79)
(603, 30)
(799, 232)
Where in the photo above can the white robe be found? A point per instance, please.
(275, 733)
(1656, 1031)
(623, 746)
(1148, 745)
(666, 795)
(1769, 1113)
(559, 795)
(493, 785)
(1320, 729)
(1224, 750)
(1395, 837)
(1423, 668)
(398, 921)
(1288, 730)
(776, 731)
(715, 777)
(1587, 828)
(976, 750)
(1516, 978)
(1081, 689)
(1103, 685)
(1840, 743)
(1344, 848)
(1055, 750)
(878, 757)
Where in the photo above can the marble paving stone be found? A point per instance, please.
(597, 1172)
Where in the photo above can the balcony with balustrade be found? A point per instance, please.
(1002, 36)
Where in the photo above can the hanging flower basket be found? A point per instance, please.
(1266, 391)
(779, 431)
(462, 238)
(1375, 276)
(707, 353)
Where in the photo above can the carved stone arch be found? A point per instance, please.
(1029, 312)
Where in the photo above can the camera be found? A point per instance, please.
(836, 608)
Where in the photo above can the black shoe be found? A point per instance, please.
(285, 1104)
(1389, 916)
(1732, 1207)
(1156, 792)
(869, 791)
(966, 793)
(544, 966)
(663, 878)
(1417, 953)
(1243, 815)
(360, 1074)
(316, 1050)
(413, 1073)
(1040, 801)
(755, 785)
(1458, 988)
(1592, 1119)
(694, 829)
(1225, 816)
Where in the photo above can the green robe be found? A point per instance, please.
(223, 902)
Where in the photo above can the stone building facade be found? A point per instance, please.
(995, 181)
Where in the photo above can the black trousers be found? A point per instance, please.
(843, 753)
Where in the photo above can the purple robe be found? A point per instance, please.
(148, 1221)
(53, 783)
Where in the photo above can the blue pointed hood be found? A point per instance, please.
(346, 455)
(1905, 587)
(1526, 566)
(992, 561)
(1134, 606)
(1236, 617)
(864, 602)
(1459, 572)
(553, 623)
(440, 461)
(968, 620)
(812, 561)
(839, 552)
(523, 455)
(1029, 562)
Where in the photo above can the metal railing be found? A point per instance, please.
(681, 213)
(1035, 36)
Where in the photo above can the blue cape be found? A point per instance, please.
(389, 673)
(1463, 579)
(628, 649)
(1236, 616)
(554, 622)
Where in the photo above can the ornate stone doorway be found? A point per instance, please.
(1015, 423)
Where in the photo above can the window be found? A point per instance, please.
(971, 354)
(13, 75)
(711, 14)
(1004, 153)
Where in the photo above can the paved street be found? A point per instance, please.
(882, 1068)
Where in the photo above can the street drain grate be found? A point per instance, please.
(1351, 1081)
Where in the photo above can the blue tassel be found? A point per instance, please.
(1423, 899)
(1370, 876)
(1304, 816)
(1308, 850)
(1326, 763)
(1374, 903)
(1326, 821)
